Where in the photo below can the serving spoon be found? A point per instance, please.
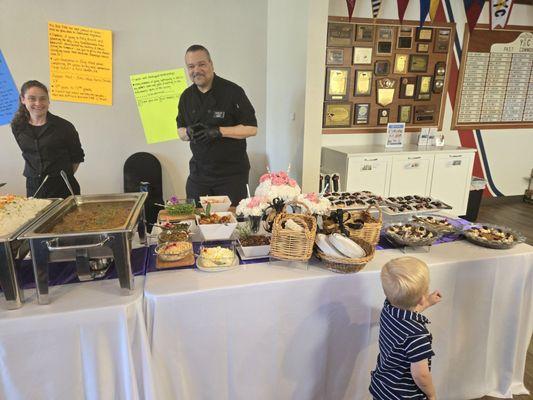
(64, 176)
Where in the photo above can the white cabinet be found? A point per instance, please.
(442, 173)
(451, 179)
(371, 173)
(411, 174)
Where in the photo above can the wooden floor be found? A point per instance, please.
(515, 214)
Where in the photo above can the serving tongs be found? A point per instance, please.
(77, 200)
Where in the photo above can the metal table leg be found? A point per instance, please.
(121, 247)
(8, 278)
(39, 255)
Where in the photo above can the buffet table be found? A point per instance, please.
(267, 331)
(90, 343)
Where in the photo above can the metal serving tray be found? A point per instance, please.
(12, 252)
(84, 247)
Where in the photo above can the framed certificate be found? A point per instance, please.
(337, 83)
(404, 113)
(442, 41)
(340, 34)
(362, 55)
(400, 63)
(382, 67)
(363, 83)
(364, 33)
(384, 48)
(335, 56)
(424, 34)
(423, 88)
(418, 63)
(385, 33)
(404, 42)
(361, 114)
(422, 47)
(337, 115)
(405, 31)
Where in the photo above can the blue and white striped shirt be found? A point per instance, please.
(403, 339)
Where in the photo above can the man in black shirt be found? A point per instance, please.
(215, 115)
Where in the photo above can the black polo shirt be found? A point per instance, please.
(49, 150)
(225, 104)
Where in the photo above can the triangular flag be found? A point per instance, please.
(433, 8)
(473, 10)
(424, 11)
(350, 4)
(402, 6)
(376, 6)
(499, 13)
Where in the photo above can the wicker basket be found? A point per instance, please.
(290, 245)
(370, 230)
(345, 265)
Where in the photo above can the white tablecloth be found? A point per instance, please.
(89, 343)
(276, 332)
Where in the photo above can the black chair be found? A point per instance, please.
(142, 172)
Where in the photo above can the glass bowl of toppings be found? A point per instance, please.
(217, 257)
(167, 236)
(173, 251)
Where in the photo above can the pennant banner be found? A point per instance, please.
(434, 4)
(499, 13)
(473, 10)
(424, 11)
(402, 6)
(351, 5)
(376, 6)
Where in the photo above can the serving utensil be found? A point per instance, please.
(65, 178)
(41, 185)
(2, 184)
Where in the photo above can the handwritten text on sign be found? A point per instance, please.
(157, 95)
(81, 61)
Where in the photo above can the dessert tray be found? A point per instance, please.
(352, 200)
(410, 234)
(492, 236)
(440, 223)
(411, 204)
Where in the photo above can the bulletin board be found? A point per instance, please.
(495, 88)
(380, 71)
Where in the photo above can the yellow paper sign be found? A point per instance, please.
(81, 64)
(157, 95)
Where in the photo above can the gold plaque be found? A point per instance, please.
(337, 114)
(410, 90)
(337, 83)
(386, 89)
(404, 114)
(400, 64)
(383, 116)
(425, 84)
(363, 83)
(424, 34)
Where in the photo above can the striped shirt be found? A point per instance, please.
(403, 339)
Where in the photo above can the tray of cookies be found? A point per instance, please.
(353, 200)
(398, 205)
(492, 236)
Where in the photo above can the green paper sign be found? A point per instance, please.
(157, 95)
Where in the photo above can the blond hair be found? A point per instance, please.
(405, 281)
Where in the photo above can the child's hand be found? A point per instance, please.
(434, 298)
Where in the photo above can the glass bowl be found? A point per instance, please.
(213, 256)
(173, 251)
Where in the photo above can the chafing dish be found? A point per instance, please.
(12, 252)
(89, 242)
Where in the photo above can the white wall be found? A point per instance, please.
(285, 84)
(147, 36)
(508, 151)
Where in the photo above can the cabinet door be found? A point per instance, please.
(451, 180)
(368, 173)
(411, 175)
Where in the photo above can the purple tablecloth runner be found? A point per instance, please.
(62, 273)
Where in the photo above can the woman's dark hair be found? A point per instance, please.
(22, 116)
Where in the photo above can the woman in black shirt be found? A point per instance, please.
(49, 144)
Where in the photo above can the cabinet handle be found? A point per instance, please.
(371, 159)
(455, 155)
(414, 158)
